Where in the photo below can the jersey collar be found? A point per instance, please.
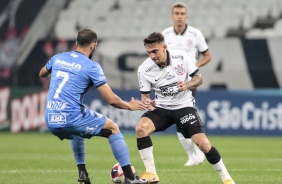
(186, 26)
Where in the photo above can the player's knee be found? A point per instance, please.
(115, 128)
(111, 126)
(141, 129)
(202, 142)
(205, 146)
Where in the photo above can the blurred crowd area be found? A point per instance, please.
(32, 31)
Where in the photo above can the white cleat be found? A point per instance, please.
(191, 162)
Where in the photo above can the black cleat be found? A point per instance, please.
(83, 179)
(136, 180)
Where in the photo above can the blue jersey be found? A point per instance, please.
(72, 74)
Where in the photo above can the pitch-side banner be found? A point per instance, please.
(222, 112)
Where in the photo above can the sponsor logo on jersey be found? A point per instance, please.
(100, 116)
(169, 90)
(52, 105)
(67, 65)
(90, 130)
(58, 118)
(150, 68)
(179, 69)
(177, 57)
(169, 76)
(102, 78)
(156, 80)
(189, 117)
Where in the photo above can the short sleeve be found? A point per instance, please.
(50, 63)
(191, 66)
(97, 75)
(145, 86)
(202, 44)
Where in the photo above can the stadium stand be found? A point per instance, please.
(136, 18)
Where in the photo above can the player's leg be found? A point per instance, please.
(213, 157)
(187, 144)
(121, 152)
(151, 121)
(194, 128)
(199, 155)
(78, 149)
(145, 146)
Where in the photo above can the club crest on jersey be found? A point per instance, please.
(179, 69)
(189, 42)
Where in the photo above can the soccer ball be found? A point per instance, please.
(117, 174)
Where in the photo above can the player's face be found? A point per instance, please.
(179, 16)
(157, 52)
(92, 49)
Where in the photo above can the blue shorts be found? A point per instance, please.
(86, 127)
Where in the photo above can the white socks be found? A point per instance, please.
(148, 159)
(222, 171)
(188, 146)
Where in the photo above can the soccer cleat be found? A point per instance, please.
(136, 180)
(229, 181)
(83, 179)
(193, 162)
(150, 177)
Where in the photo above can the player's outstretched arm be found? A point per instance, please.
(44, 72)
(112, 99)
(149, 104)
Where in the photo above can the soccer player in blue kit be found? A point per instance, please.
(72, 74)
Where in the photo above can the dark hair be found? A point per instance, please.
(86, 37)
(154, 37)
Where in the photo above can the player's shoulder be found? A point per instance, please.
(193, 30)
(177, 52)
(168, 31)
(147, 64)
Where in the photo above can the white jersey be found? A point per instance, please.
(163, 80)
(191, 40)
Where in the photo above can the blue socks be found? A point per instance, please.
(118, 145)
(78, 149)
(119, 149)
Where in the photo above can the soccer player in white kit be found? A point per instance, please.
(166, 72)
(189, 39)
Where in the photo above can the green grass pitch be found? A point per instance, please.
(34, 158)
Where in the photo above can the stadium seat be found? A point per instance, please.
(143, 14)
(255, 34)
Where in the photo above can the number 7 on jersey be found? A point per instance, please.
(65, 76)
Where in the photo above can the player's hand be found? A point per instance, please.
(150, 104)
(182, 86)
(136, 105)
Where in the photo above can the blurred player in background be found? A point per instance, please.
(166, 72)
(72, 74)
(189, 39)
